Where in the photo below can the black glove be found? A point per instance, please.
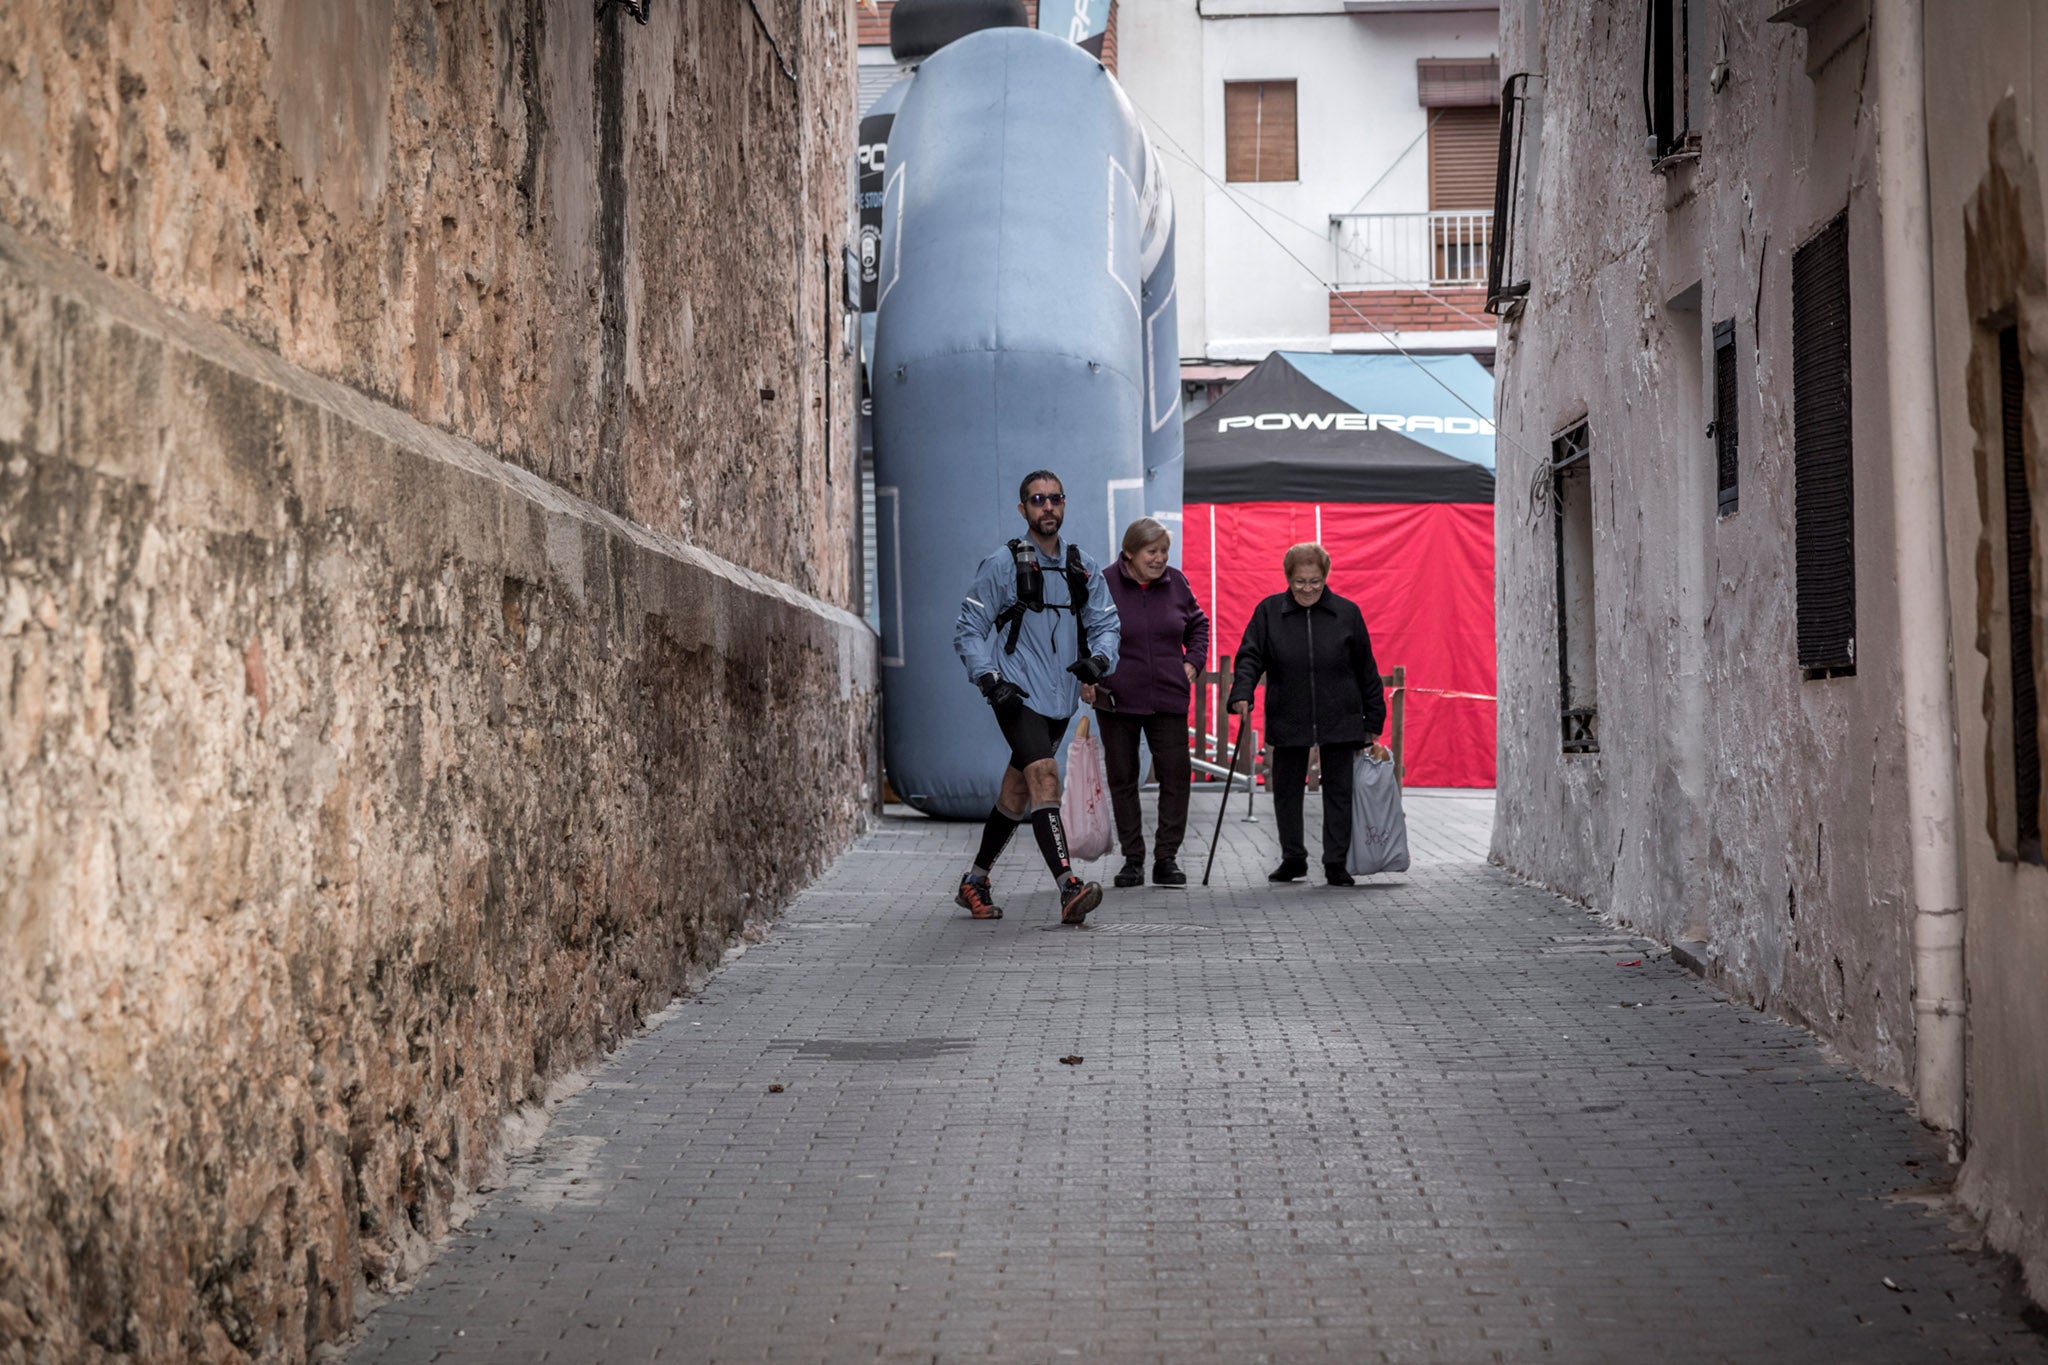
(1090, 670)
(1000, 691)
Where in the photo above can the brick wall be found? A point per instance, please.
(1409, 310)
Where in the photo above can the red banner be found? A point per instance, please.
(1423, 575)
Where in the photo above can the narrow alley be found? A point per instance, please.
(1444, 1116)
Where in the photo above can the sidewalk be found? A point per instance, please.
(1427, 1119)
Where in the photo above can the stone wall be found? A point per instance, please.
(425, 527)
(596, 248)
(1734, 803)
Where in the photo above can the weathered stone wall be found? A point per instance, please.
(1733, 803)
(1989, 215)
(595, 247)
(425, 522)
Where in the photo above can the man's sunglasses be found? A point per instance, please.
(1048, 499)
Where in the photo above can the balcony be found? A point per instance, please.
(1438, 250)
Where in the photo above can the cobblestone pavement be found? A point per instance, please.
(1439, 1117)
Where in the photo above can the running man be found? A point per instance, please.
(1030, 665)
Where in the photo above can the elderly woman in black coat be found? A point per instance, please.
(1322, 690)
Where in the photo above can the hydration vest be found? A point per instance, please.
(1030, 594)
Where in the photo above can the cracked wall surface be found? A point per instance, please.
(1734, 803)
(425, 531)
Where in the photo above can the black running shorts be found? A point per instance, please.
(1032, 737)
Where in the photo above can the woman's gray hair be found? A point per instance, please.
(1304, 554)
(1145, 531)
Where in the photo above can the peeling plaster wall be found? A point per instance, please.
(1988, 61)
(425, 530)
(1732, 802)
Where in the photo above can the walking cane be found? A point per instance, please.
(1244, 725)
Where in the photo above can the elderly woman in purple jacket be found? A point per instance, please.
(1165, 641)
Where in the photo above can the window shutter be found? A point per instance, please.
(1464, 158)
(2019, 587)
(1449, 82)
(1727, 428)
(1824, 501)
(1258, 131)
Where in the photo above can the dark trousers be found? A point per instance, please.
(1166, 735)
(1290, 780)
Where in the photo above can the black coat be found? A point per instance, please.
(1329, 695)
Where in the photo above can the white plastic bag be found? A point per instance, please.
(1084, 805)
(1379, 830)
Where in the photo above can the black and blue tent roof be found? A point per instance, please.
(1372, 428)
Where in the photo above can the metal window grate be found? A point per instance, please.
(1823, 472)
(1571, 487)
(1668, 94)
(2019, 587)
(1727, 425)
(1504, 291)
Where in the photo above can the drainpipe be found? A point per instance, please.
(1924, 634)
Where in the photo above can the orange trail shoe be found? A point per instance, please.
(973, 898)
(1077, 898)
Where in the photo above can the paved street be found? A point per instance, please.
(1441, 1117)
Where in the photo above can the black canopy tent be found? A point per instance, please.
(1279, 437)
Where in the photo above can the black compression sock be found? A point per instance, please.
(995, 837)
(1052, 840)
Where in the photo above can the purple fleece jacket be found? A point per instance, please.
(1162, 627)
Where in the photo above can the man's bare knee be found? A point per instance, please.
(1044, 779)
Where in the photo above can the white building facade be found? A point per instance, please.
(1303, 156)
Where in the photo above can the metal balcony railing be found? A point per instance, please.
(1443, 249)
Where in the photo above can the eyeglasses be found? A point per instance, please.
(1048, 499)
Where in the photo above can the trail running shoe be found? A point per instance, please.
(973, 898)
(1077, 898)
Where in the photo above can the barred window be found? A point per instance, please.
(1571, 484)
(1727, 423)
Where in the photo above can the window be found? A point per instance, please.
(1726, 427)
(1674, 43)
(1571, 488)
(1464, 157)
(2024, 700)
(1464, 151)
(1507, 282)
(1258, 131)
(1823, 482)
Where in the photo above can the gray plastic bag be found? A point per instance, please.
(1379, 831)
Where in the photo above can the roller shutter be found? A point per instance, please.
(1258, 131)
(1464, 157)
(2019, 586)
(1823, 472)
